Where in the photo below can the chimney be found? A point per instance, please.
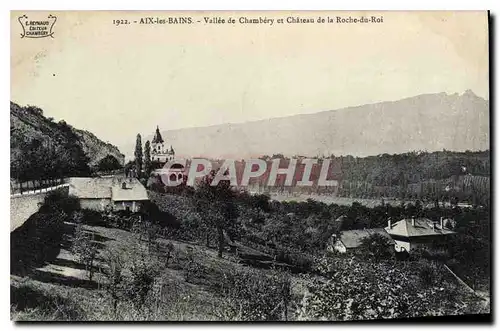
(389, 225)
(441, 221)
(413, 221)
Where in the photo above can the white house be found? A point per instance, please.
(410, 233)
(94, 192)
(129, 195)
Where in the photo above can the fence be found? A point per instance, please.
(17, 187)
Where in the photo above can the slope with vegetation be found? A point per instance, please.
(150, 272)
(43, 149)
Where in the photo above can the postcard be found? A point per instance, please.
(239, 166)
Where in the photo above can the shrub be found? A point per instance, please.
(29, 303)
(142, 280)
(376, 247)
(427, 275)
(256, 296)
(357, 290)
(78, 217)
(58, 201)
(258, 201)
(93, 218)
(194, 271)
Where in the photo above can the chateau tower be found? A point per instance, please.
(158, 151)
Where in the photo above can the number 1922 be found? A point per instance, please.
(120, 22)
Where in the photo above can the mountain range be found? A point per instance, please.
(427, 122)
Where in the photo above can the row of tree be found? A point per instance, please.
(35, 161)
(142, 165)
(38, 160)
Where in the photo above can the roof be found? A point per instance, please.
(423, 227)
(133, 191)
(107, 188)
(353, 238)
(341, 218)
(157, 138)
(90, 187)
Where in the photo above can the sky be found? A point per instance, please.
(117, 81)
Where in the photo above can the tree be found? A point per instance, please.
(377, 247)
(138, 155)
(147, 158)
(85, 249)
(108, 163)
(73, 158)
(216, 203)
(128, 168)
(115, 279)
(34, 109)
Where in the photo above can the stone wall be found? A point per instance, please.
(22, 206)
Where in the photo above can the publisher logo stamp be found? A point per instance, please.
(39, 28)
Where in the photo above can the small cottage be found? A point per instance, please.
(108, 193)
(128, 195)
(94, 192)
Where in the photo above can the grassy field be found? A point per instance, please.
(60, 289)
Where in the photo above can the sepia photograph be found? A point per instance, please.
(240, 166)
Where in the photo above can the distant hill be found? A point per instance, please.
(77, 151)
(428, 122)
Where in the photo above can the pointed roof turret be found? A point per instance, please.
(157, 138)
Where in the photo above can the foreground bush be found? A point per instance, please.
(357, 290)
(30, 303)
(255, 295)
